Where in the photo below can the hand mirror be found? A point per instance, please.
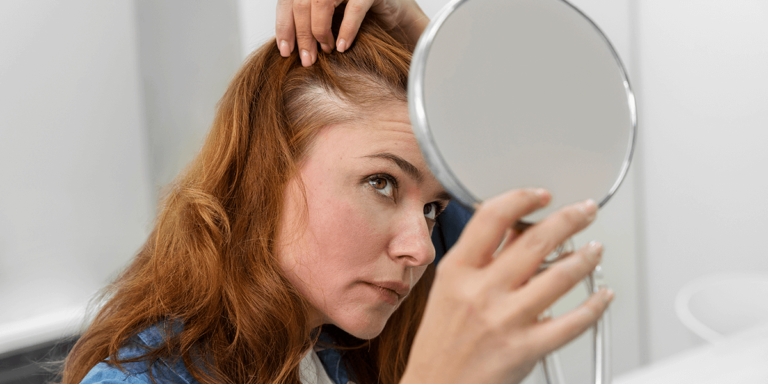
(507, 94)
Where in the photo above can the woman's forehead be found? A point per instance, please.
(382, 139)
(364, 138)
(385, 127)
(386, 131)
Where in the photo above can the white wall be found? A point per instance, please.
(257, 23)
(188, 52)
(74, 181)
(702, 164)
(102, 104)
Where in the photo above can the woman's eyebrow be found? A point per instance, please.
(407, 167)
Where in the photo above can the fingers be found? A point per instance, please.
(544, 289)
(284, 28)
(308, 22)
(350, 25)
(322, 17)
(304, 37)
(484, 232)
(553, 334)
(516, 264)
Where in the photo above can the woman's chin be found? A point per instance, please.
(364, 330)
(366, 334)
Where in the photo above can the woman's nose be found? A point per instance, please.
(412, 241)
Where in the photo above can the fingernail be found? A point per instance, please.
(285, 50)
(608, 295)
(544, 196)
(306, 60)
(594, 251)
(341, 45)
(589, 208)
(325, 47)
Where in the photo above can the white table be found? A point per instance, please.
(742, 358)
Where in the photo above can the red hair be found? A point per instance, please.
(210, 261)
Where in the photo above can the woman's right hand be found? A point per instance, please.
(482, 321)
(308, 22)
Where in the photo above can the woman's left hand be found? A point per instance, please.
(308, 22)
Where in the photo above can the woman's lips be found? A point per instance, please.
(390, 291)
(385, 294)
(401, 289)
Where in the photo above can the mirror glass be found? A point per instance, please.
(508, 94)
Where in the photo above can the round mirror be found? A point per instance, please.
(507, 94)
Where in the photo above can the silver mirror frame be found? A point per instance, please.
(422, 129)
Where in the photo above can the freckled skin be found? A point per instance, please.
(349, 232)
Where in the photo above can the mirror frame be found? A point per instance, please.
(420, 123)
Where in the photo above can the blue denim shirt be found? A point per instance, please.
(173, 371)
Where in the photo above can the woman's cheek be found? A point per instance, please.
(370, 212)
(353, 224)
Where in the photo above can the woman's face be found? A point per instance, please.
(362, 240)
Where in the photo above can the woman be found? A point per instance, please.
(305, 221)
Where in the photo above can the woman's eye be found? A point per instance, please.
(430, 211)
(382, 185)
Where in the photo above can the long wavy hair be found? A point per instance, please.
(210, 262)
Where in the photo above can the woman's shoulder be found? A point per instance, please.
(174, 371)
(104, 373)
(163, 370)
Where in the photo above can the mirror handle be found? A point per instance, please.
(601, 351)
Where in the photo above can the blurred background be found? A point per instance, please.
(103, 102)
